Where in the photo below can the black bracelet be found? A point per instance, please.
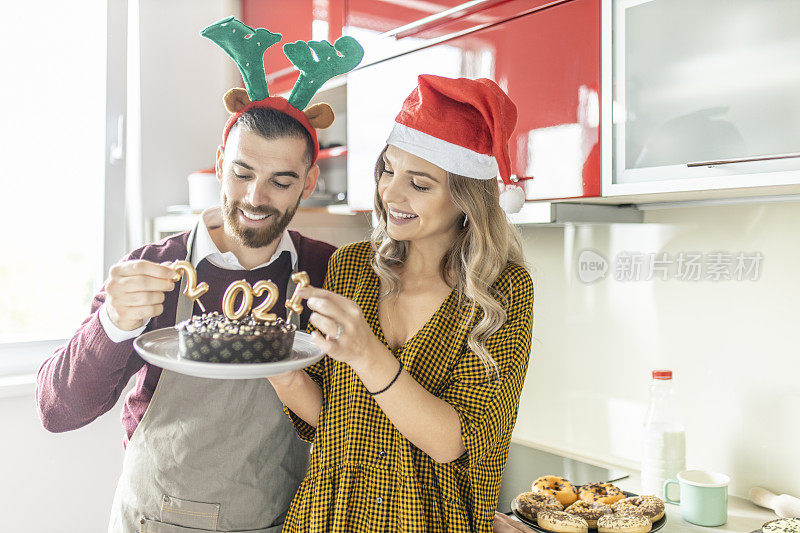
(390, 383)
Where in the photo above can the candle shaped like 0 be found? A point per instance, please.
(230, 295)
(294, 304)
(193, 291)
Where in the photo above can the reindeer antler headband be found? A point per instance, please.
(246, 46)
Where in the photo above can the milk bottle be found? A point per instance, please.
(664, 450)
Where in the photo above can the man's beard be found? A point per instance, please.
(256, 237)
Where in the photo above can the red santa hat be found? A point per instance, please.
(462, 126)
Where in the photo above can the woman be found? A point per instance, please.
(427, 330)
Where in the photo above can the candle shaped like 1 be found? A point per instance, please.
(294, 304)
(193, 291)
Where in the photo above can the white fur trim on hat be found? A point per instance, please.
(451, 157)
(512, 198)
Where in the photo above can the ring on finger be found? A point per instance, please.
(339, 330)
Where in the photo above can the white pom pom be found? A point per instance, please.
(512, 198)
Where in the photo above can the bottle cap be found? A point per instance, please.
(662, 374)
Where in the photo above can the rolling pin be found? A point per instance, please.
(785, 506)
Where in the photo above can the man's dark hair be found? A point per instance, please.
(274, 124)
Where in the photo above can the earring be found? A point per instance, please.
(464, 224)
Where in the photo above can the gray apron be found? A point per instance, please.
(209, 455)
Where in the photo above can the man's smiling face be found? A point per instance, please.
(263, 181)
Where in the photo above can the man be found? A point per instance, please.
(200, 453)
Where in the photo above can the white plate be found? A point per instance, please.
(160, 348)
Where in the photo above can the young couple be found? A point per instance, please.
(426, 330)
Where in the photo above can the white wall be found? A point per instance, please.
(183, 79)
(56, 483)
(731, 344)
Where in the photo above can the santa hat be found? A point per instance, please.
(462, 126)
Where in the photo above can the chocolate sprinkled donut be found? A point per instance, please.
(782, 525)
(651, 507)
(558, 487)
(623, 523)
(600, 492)
(589, 511)
(530, 503)
(562, 522)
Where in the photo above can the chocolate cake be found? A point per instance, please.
(214, 338)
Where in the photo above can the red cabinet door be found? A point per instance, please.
(548, 60)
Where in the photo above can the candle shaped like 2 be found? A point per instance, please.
(294, 304)
(261, 312)
(230, 295)
(193, 291)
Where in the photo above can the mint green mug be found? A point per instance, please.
(703, 498)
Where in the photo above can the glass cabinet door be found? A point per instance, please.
(705, 88)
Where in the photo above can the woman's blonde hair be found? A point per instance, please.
(483, 248)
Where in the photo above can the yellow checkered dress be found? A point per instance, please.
(364, 475)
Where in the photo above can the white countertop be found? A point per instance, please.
(743, 515)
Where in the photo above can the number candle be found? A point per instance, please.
(294, 304)
(261, 312)
(193, 291)
(230, 295)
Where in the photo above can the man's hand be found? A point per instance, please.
(505, 524)
(135, 292)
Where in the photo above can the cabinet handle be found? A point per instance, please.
(426, 23)
(743, 160)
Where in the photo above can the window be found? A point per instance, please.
(52, 178)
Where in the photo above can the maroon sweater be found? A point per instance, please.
(85, 378)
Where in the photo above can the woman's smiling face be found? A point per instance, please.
(416, 196)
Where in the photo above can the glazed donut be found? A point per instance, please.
(651, 507)
(561, 522)
(558, 487)
(625, 522)
(600, 492)
(530, 503)
(589, 511)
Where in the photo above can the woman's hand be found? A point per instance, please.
(346, 335)
(287, 379)
(429, 423)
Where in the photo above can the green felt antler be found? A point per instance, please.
(246, 46)
(315, 72)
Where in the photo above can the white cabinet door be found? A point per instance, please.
(706, 94)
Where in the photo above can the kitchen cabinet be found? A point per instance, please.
(545, 55)
(704, 96)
